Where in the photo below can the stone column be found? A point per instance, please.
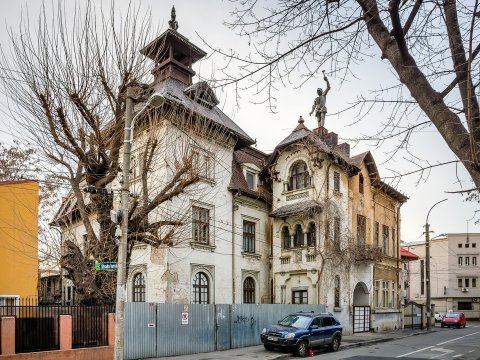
(65, 332)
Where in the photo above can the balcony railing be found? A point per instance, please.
(366, 252)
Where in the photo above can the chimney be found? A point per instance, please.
(344, 148)
(331, 139)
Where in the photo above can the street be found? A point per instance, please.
(458, 344)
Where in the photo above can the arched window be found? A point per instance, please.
(285, 238)
(249, 291)
(312, 234)
(299, 176)
(298, 236)
(139, 288)
(337, 291)
(200, 289)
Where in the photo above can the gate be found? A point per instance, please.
(361, 319)
(413, 316)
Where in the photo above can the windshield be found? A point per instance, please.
(298, 321)
(452, 316)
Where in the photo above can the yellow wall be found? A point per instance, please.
(19, 238)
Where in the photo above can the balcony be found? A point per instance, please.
(368, 253)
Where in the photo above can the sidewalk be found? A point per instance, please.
(259, 352)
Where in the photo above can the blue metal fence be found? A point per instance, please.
(156, 330)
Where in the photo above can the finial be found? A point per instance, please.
(301, 121)
(173, 23)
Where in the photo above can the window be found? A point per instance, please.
(361, 229)
(136, 165)
(336, 181)
(474, 260)
(360, 184)
(202, 164)
(248, 236)
(474, 245)
(299, 297)
(286, 238)
(312, 235)
(299, 177)
(337, 291)
(467, 246)
(393, 243)
(201, 224)
(385, 240)
(251, 180)
(377, 234)
(392, 299)
(376, 294)
(459, 283)
(139, 288)
(336, 232)
(474, 282)
(467, 260)
(467, 283)
(460, 261)
(384, 293)
(249, 291)
(422, 277)
(298, 239)
(464, 305)
(200, 289)
(460, 245)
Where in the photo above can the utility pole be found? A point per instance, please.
(427, 266)
(156, 100)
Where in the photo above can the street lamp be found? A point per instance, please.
(427, 264)
(155, 101)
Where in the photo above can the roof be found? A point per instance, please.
(296, 209)
(173, 90)
(405, 254)
(21, 181)
(238, 182)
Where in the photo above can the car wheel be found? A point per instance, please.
(268, 346)
(443, 325)
(302, 348)
(335, 345)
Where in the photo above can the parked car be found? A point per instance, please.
(438, 317)
(302, 331)
(454, 319)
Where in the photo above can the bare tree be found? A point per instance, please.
(66, 80)
(431, 46)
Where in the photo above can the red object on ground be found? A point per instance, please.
(311, 352)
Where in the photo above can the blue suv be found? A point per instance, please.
(301, 331)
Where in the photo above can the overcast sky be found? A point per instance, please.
(205, 18)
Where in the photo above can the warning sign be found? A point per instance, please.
(184, 318)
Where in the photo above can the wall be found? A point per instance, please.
(98, 353)
(19, 238)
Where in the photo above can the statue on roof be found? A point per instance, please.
(319, 103)
(173, 22)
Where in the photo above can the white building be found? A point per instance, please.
(454, 273)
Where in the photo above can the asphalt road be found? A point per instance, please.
(457, 344)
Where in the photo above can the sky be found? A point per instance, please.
(204, 20)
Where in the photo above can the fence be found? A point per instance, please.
(157, 330)
(37, 328)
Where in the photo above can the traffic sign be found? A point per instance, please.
(106, 265)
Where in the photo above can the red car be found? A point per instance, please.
(454, 319)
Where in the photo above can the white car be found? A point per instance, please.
(438, 317)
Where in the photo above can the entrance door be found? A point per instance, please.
(361, 319)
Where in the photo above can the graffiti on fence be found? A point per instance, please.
(245, 320)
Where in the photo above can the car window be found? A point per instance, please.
(316, 322)
(326, 321)
(298, 321)
(452, 316)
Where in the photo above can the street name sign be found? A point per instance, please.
(106, 265)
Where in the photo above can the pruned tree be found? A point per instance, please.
(66, 80)
(430, 46)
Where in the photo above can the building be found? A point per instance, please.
(19, 241)
(406, 257)
(454, 273)
(307, 224)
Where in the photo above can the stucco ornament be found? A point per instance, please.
(319, 103)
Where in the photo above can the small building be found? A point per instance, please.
(19, 241)
(454, 273)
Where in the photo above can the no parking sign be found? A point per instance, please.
(184, 318)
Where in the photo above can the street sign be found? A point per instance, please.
(184, 318)
(106, 265)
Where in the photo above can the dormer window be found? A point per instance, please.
(250, 177)
(299, 176)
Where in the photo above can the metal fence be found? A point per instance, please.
(37, 328)
(157, 330)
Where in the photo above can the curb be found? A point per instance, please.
(377, 341)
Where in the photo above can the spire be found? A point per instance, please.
(173, 22)
(300, 124)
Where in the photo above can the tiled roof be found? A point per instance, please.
(173, 90)
(405, 254)
(296, 209)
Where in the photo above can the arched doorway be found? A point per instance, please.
(361, 296)
(361, 308)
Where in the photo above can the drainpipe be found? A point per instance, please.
(233, 247)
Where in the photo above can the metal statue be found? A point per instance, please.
(319, 103)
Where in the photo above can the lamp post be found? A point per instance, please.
(427, 265)
(156, 100)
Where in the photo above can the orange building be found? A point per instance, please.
(18, 241)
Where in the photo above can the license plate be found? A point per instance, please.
(272, 338)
